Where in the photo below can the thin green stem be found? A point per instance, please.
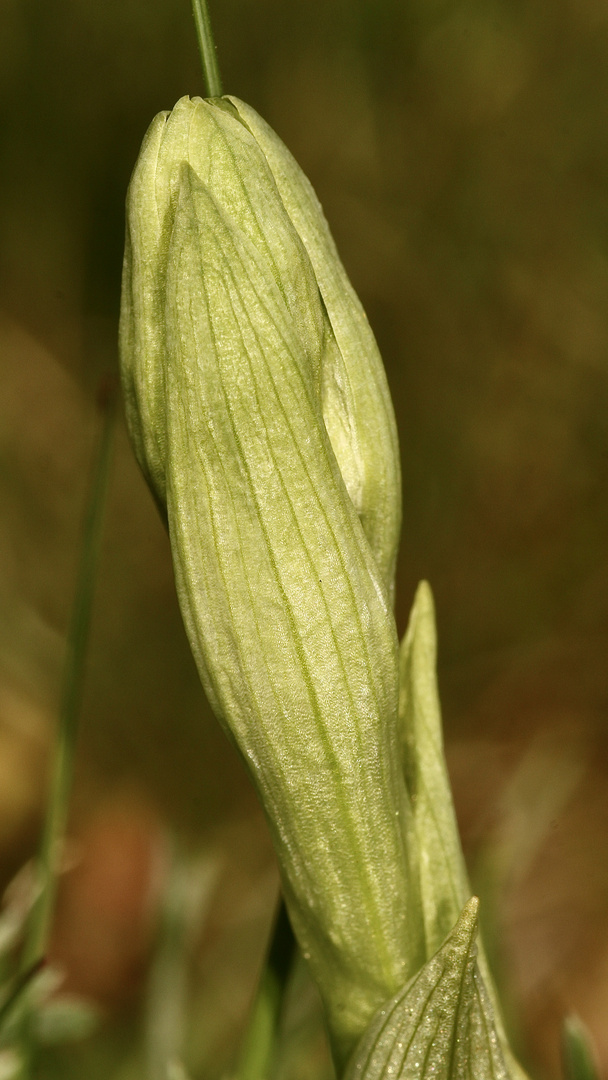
(61, 778)
(206, 44)
(261, 1036)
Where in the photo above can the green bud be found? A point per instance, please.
(222, 154)
(281, 215)
(246, 396)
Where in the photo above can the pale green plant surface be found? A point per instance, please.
(430, 827)
(444, 883)
(440, 1025)
(230, 283)
(356, 405)
(225, 340)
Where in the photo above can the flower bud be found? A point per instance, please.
(246, 396)
(270, 199)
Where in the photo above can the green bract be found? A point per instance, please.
(259, 412)
(444, 885)
(440, 1026)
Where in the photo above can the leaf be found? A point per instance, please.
(578, 1051)
(439, 1027)
(444, 884)
(443, 877)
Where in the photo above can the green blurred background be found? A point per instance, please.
(460, 150)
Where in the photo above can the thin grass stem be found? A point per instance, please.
(47, 864)
(39, 924)
(206, 44)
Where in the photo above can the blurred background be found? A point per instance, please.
(460, 150)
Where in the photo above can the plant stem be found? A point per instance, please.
(260, 1039)
(73, 677)
(206, 44)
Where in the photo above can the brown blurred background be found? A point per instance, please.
(460, 149)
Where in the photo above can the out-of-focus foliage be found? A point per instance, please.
(460, 151)
(577, 1049)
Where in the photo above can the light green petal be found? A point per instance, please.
(141, 331)
(284, 611)
(229, 163)
(357, 408)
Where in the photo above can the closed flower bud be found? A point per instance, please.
(248, 381)
(270, 199)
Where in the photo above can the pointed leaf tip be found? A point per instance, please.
(423, 601)
(443, 878)
(440, 1025)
